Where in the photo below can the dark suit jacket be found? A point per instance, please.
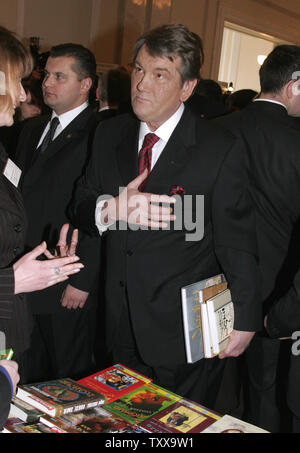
(14, 316)
(47, 189)
(150, 267)
(283, 321)
(272, 139)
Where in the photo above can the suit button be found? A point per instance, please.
(18, 228)
(122, 284)
(17, 250)
(129, 252)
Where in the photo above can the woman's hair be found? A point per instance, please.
(15, 63)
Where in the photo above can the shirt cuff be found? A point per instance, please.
(5, 372)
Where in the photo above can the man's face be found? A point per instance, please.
(62, 89)
(156, 90)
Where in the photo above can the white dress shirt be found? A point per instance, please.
(64, 120)
(164, 132)
(271, 101)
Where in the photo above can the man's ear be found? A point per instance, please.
(292, 88)
(187, 89)
(86, 85)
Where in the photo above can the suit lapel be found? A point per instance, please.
(168, 167)
(66, 137)
(127, 153)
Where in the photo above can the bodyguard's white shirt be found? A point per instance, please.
(271, 101)
(164, 132)
(64, 120)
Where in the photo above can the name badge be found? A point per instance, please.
(12, 172)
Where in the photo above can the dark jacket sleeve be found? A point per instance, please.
(284, 316)
(235, 238)
(5, 397)
(7, 289)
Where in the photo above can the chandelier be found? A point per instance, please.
(159, 3)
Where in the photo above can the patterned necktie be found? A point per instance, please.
(145, 155)
(49, 136)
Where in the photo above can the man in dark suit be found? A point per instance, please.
(149, 256)
(282, 321)
(272, 138)
(65, 315)
(114, 91)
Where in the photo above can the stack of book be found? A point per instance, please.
(208, 317)
(114, 400)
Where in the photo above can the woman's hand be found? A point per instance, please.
(32, 274)
(62, 248)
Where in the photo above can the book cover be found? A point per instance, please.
(192, 297)
(95, 420)
(24, 411)
(114, 381)
(183, 417)
(29, 428)
(7, 354)
(230, 425)
(59, 396)
(221, 320)
(142, 403)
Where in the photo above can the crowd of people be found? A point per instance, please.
(96, 171)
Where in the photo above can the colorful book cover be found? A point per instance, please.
(7, 354)
(142, 403)
(95, 420)
(24, 411)
(34, 428)
(59, 396)
(231, 425)
(115, 381)
(183, 417)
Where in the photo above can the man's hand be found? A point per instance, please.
(73, 298)
(138, 208)
(238, 343)
(12, 369)
(63, 249)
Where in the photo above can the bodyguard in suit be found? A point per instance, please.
(272, 137)
(282, 321)
(149, 257)
(53, 151)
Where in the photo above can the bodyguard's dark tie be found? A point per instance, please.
(49, 136)
(145, 155)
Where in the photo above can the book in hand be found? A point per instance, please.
(230, 425)
(26, 412)
(89, 421)
(220, 313)
(184, 416)
(142, 403)
(60, 396)
(115, 381)
(193, 296)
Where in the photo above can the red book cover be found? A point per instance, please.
(115, 381)
(184, 416)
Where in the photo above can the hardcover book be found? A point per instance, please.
(230, 425)
(95, 420)
(193, 296)
(183, 417)
(142, 403)
(115, 381)
(26, 412)
(221, 320)
(59, 396)
(7, 354)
